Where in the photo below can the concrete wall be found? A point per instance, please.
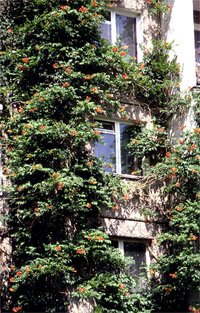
(178, 26)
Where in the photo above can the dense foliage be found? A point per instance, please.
(57, 74)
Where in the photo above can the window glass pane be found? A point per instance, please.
(114, 243)
(126, 32)
(128, 164)
(137, 252)
(107, 125)
(197, 45)
(106, 151)
(105, 31)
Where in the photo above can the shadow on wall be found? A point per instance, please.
(141, 215)
(166, 21)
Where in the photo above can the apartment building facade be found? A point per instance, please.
(129, 21)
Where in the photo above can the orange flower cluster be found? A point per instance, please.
(12, 289)
(82, 289)
(125, 76)
(60, 185)
(25, 60)
(94, 89)
(197, 130)
(16, 309)
(58, 248)
(181, 127)
(121, 286)
(169, 289)
(167, 155)
(88, 76)
(83, 9)
(94, 4)
(73, 133)
(115, 49)
(99, 238)
(56, 175)
(126, 197)
(117, 207)
(81, 251)
(19, 273)
(93, 182)
(99, 110)
(194, 310)
(193, 237)
(20, 110)
(192, 147)
(66, 84)
(172, 275)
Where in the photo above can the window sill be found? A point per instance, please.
(127, 176)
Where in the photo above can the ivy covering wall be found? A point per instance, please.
(57, 74)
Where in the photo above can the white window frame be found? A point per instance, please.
(1, 174)
(117, 141)
(139, 28)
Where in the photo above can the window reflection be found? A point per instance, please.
(126, 31)
(106, 151)
(128, 162)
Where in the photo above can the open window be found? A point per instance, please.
(124, 29)
(113, 150)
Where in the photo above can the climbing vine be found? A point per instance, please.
(57, 74)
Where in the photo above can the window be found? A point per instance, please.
(113, 148)
(136, 250)
(123, 28)
(197, 43)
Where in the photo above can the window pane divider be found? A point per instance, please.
(117, 148)
(113, 28)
